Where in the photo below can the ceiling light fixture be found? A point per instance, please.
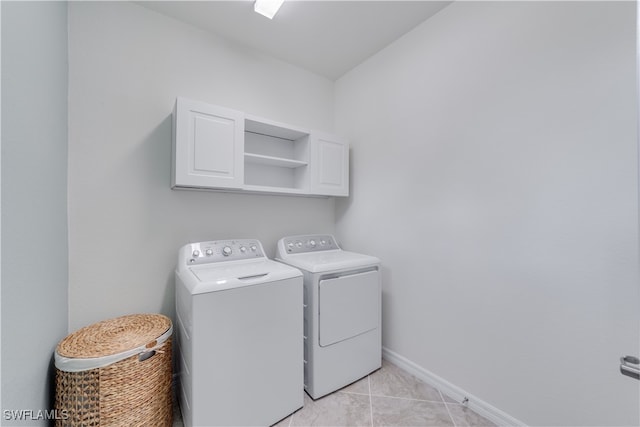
(267, 8)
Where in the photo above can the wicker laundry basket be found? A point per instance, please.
(116, 373)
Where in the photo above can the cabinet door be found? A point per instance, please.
(208, 146)
(329, 165)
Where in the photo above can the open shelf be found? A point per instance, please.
(267, 127)
(273, 161)
(276, 157)
(276, 190)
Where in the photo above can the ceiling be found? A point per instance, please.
(326, 37)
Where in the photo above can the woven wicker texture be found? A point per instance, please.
(78, 398)
(132, 392)
(114, 336)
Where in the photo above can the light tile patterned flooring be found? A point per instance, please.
(387, 397)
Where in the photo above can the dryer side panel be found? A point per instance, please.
(348, 306)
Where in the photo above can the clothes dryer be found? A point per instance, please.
(342, 316)
(239, 335)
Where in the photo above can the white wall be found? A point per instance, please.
(494, 150)
(127, 65)
(34, 201)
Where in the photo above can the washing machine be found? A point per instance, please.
(342, 319)
(239, 335)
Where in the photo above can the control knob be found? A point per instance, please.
(254, 248)
(226, 251)
(243, 249)
(312, 243)
(209, 252)
(196, 253)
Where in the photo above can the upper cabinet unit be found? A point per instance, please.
(216, 148)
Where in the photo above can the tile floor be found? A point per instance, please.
(387, 397)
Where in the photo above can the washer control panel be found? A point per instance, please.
(222, 250)
(309, 243)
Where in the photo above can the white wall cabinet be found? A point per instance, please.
(329, 165)
(208, 146)
(215, 148)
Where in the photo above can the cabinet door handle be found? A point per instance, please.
(630, 366)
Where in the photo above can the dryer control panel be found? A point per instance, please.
(309, 243)
(221, 251)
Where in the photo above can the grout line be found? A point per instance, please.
(370, 399)
(447, 407)
(349, 392)
(409, 398)
(396, 397)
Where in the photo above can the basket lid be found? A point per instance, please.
(114, 336)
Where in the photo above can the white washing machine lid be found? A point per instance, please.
(332, 260)
(215, 277)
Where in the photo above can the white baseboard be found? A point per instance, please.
(477, 405)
